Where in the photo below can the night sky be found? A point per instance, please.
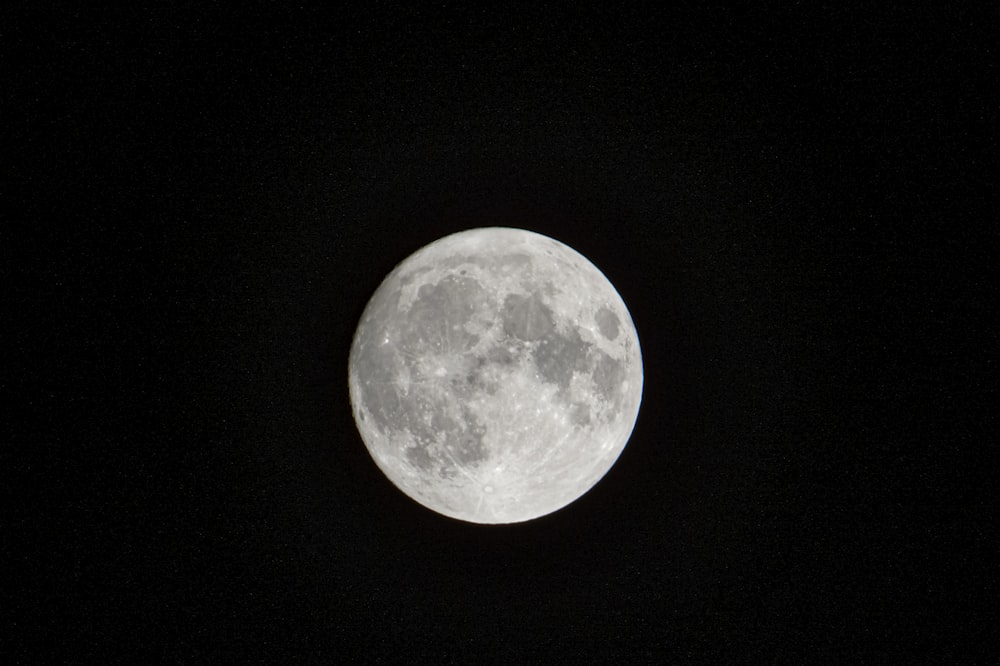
(200, 204)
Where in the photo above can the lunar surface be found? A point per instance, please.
(495, 375)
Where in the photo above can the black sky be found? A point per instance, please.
(788, 200)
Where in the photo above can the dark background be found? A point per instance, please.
(200, 205)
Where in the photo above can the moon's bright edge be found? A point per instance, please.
(495, 375)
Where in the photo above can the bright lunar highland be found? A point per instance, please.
(495, 376)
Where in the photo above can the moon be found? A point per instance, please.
(495, 375)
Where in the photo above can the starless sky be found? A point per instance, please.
(202, 203)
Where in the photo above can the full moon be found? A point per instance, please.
(495, 376)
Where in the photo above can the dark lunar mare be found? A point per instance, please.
(433, 325)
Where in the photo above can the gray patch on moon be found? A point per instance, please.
(436, 319)
(608, 376)
(526, 317)
(557, 357)
(579, 414)
(514, 262)
(501, 356)
(442, 442)
(482, 373)
(460, 440)
(466, 441)
(419, 457)
(607, 323)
